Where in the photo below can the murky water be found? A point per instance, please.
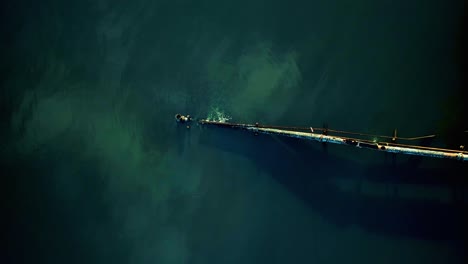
(98, 171)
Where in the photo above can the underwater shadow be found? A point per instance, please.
(311, 175)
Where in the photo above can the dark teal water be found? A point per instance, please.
(96, 171)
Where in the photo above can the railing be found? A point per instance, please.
(324, 137)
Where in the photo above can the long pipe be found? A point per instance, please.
(359, 143)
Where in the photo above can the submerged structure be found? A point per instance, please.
(324, 136)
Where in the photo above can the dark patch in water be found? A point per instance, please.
(309, 174)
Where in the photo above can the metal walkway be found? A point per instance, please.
(322, 135)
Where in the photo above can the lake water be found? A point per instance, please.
(97, 171)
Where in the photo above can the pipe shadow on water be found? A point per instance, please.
(311, 175)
